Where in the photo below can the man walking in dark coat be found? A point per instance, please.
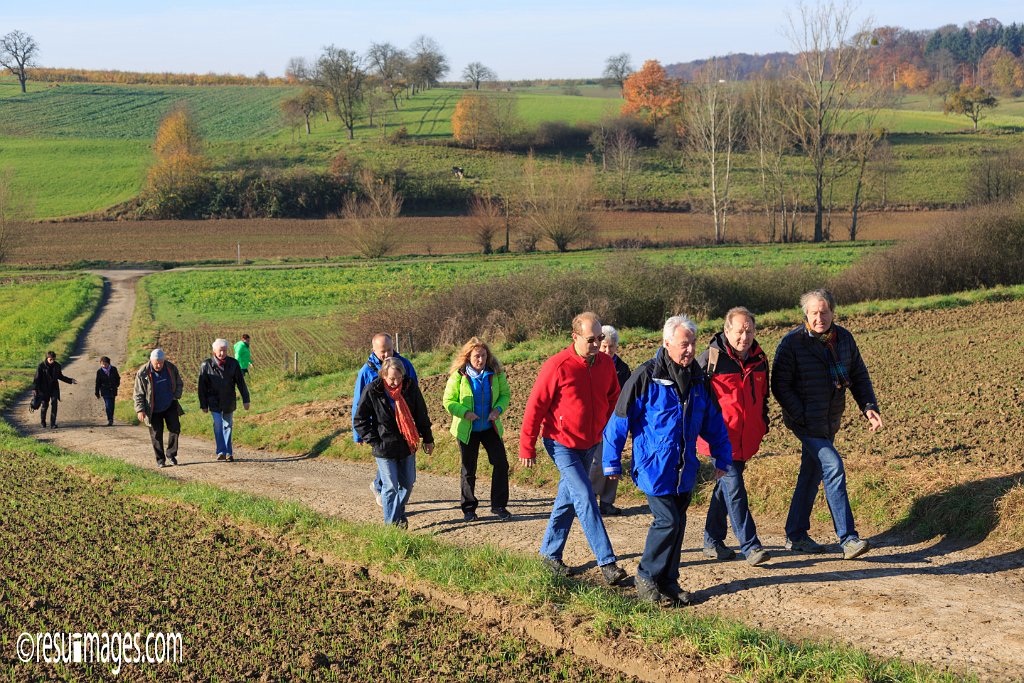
(107, 383)
(218, 377)
(47, 386)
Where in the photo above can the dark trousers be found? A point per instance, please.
(169, 418)
(660, 561)
(496, 455)
(51, 403)
(108, 404)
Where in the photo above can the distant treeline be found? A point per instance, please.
(51, 75)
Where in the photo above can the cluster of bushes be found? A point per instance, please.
(626, 292)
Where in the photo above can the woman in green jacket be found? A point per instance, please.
(476, 395)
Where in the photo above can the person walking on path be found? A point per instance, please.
(571, 400)
(381, 348)
(665, 405)
(47, 387)
(814, 365)
(737, 374)
(392, 418)
(476, 395)
(156, 395)
(218, 378)
(604, 488)
(243, 353)
(108, 380)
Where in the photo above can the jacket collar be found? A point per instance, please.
(662, 374)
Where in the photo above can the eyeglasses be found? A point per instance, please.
(590, 340)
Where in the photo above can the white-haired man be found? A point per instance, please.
(218, 377)
(665, 404)
(156, 394)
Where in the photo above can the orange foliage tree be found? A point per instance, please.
(912, 77)
(650, 94)
(179, 163)
(1003, 71)
(485, 120)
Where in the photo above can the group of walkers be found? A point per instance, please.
(584, 406)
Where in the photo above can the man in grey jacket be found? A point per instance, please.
(157, 391)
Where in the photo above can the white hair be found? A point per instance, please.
(610, 334)
(674, 323)
(157, 354)
(220, 342)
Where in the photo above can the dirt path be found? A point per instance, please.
(929, 603)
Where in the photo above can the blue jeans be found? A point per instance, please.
(397, 478)
(108, 405)
(222, 424)
(730, 498)
(660, 561)
(820, 463)
(575, 498)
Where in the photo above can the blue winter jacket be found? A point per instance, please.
(664, 443)
(369, 372)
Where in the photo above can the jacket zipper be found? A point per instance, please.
(682, 447)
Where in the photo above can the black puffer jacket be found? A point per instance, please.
(217, 385)
(48, 378)
(107, 384)
(802, 383)
(375, 419)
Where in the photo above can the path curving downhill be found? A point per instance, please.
(929, 603)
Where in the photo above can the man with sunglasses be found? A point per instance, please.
(570, 403)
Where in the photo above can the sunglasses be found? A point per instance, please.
(591, 340)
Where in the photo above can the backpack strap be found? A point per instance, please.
(712, 361)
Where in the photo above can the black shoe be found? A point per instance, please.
(110, 423)
(231, 458)
(403, 524)
(613, 574)
(649, 592)
(679, 596)
(469, 516)
(221, 456)
(609, 510)
(161, 464)
(502, 514)
(174, 461)
(719, 551)
(557, 567)
(53, 426)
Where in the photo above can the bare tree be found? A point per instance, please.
(475, 73)
(18, 52)
(297, 70)
(340, 74)
(831, 61)
(302, 107)
(557, 200)
(375, 215)
(617, 68)
(487, 218)
(427, 65)
(621, 157)
(769, 140)
(388, 63)
(883, 166)
(710, 115)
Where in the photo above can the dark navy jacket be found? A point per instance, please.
(664, 429)
(369, 372)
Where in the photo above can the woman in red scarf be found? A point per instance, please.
(392, 418)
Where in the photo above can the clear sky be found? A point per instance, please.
(517, 38)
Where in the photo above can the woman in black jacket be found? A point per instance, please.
(392, 418)
(107, 382)
(47, 385)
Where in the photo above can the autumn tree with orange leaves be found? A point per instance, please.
(650, 94)
(179, 166)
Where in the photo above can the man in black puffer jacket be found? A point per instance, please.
(47, 387)
(218, 377)
(814, 365)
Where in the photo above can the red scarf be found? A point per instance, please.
(406, 425)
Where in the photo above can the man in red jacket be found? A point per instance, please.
(737, 369)
(571, 401)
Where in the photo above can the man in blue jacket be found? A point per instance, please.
(666, 405)
(382, 348)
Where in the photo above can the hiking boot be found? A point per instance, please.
(174, 461)
(854, 548)
(502, 514)
(757, 556)
(376, 495)
(613, 574)
(469, 516)
(609, 510)
(719, 551)
(221, 457)
(110, 423)
(804, 545)
(649, 592)
(231, 458)
(403, 524)
(557, 567)
(680, 597)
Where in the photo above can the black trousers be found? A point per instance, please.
(157, 422)
(51, 403)
(496, 455)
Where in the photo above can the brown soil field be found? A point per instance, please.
(267, 239)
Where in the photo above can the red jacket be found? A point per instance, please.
(742, 392)
(570, 402)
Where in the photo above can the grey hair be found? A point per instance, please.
(738, 310)
(392, 362)
(818, 295)
(674, 323)
(157, 354)
(611, 334)
(220, 342)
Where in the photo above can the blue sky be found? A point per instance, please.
(521, 39)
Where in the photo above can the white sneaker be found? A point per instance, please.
(376, 495)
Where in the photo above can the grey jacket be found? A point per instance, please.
(143, 393)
